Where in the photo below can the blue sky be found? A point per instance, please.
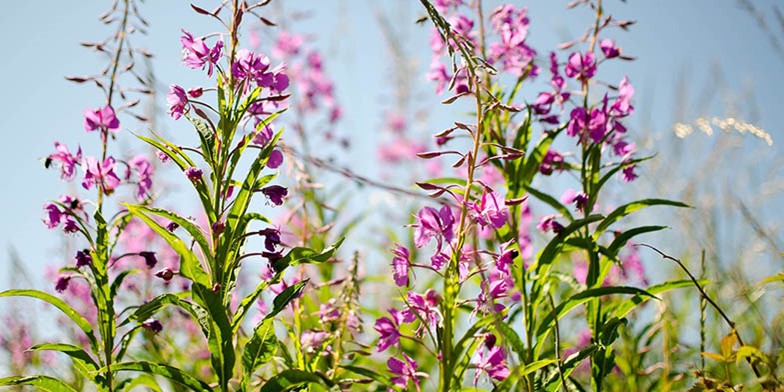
(680, 46)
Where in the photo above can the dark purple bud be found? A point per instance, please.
(557, 227)
(196, 92)
(194, 173)
(83, 258)
(272, 238)
(172, 226)
(62, 283)
(272, 256)
(218, 227)
(490, 341)
(216, 288)
(275, 193)
(149, 258)
(166, 274)
(153, 325)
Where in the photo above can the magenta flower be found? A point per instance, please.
(400, 265)
(143, 170)
(100, 174)
(609, 49)
(594, 123)
(579, 199)
(622, 106)
(66, 160)
(438, 74)
(404, 371)
(83, 258)
(249, 67)
(196, 54)
(581, 66)
(275, 159)
(389, 329)
(548, 223)
(149, 258)
(506, 258)
(423, 307)
(515, 55)
(491, 210)
(434, 223)
(177, 101)
(287, 45)
(194, 173)
(275, 193)
(101, 118)
(53, 215)
(493, 363)
(552, 160)
(496, 287)
(628, 172)
(195, 92)
(153, 325)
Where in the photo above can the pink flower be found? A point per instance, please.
(53, 215)
(581, 66)
(582, 121)
(548, 222)
(491, 210)
(103, 118)
(423, 307)
(434, 223)
(287, 45)
(400, 265)
(389, 329)
(514, 54)
(404, 371)
(506, 258)
(493, 363)
(66, 160)
(143, 170)
(609, 49)
(196, 54)
(552, 160)
(579, 199)
(177, 101)
(194, 173)
(100, 174)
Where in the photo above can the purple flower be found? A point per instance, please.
(62, 283)
(193, 173)
(552, 160)
(493, 363)
(514, 54)
(434, 223)
(275, 159)
(582, 67)
(195, 92)
(595, 123)
(196, 54)
(425, 307)
(103, 118)
(100, 174)
(153, 325)
(249, 67)
(400, 265)
(548, 223)
(609, 49)
(66, 160)
(287, 45)
(404, 371)
(271, 238)
(83, 258)
(491, 210)
(579, 199)
(506, 258)
(495, 288)
(53, 215)
(622, 106)
(149, 258)
(263, 135)
(177, 101)
(628, 172)
(143, 170)
(275, 193)
(389, 329)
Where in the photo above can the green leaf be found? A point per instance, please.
(582, 297)
(623, 309)
(259, 350)
(45, 383)
(151, 307)
(553, 382)
(145, 380)
(551, 201)
(627, 209)
(80, 321)
(80, 358)
(616, 169)
(170, 372)
(621, 239)
(119, 280)
(511, 337)
(547, 255)
(305, 256)
(193, 230)
(521, 371)
(190, 266)
(288, 379)
(369, 373)
(289, 294)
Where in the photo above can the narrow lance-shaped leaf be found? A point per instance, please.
(259, 350)
(627, 209)
(44, 383)
(172, 373)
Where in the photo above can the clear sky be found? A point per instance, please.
(713, 51)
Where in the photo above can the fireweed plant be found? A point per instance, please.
(249, 93)
(496, 312)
